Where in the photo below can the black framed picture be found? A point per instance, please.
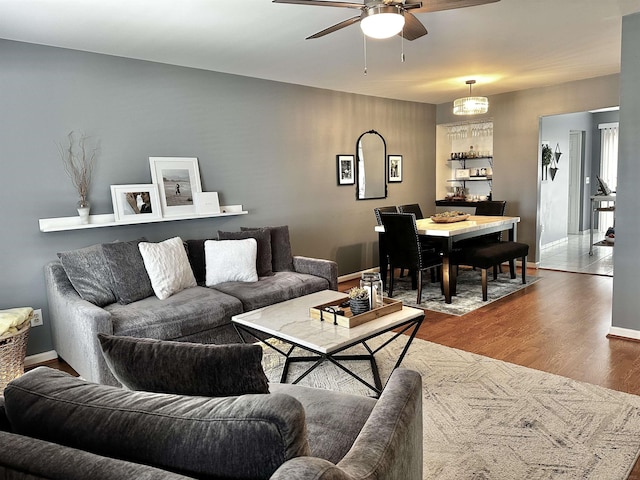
(395, 168)
(345, 169)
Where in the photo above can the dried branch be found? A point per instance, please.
(78, 163)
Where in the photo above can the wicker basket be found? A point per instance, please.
(13, 348)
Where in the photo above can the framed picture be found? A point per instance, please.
(395, 168)
(345, 169)
(206, 202)
(463, 173)
(178, 179)
(135, 203)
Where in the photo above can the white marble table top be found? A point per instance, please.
(290, 321)
(474, 223)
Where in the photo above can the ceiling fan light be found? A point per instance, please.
(382, 21)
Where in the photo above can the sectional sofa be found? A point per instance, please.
(179, 290)
(176, 420)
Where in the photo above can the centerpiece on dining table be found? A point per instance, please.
(449, 217)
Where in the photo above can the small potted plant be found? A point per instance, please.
(358, 300)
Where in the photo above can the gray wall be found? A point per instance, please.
(516, 121)
(626, 261)
(269, 146)
(554, 194)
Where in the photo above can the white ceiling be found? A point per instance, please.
(506, 46)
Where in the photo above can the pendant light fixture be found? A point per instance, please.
(382, 21)
(470, 105)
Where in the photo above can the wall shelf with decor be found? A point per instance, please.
(466, 152)
(108, 220)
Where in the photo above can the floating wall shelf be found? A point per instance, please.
(108, 220)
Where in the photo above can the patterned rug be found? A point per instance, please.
(488, 419)
(469, 291)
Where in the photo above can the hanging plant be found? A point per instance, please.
(547, 155)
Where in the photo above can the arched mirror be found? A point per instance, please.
(371, 150)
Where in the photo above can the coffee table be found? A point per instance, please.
(290, 322)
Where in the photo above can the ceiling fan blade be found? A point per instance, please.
(413, 28)
(321, 3)
(335, 27)
(438, 5)
(410, 6)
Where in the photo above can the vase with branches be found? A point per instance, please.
(79, 161)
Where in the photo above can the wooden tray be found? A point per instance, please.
(349, 320)
(459, 218)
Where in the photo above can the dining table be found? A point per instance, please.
(448, 234)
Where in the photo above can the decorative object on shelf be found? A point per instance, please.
(463, 173)
(79, 160)
(372, 282)
(395, 168)
(358, 300)
(177, 178)
(547, 155)
(206, 202)
(470, 105)
(345, 168)
(137, 203)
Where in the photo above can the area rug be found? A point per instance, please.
(488, 419)
(469, 292)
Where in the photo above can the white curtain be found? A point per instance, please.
(608, 166)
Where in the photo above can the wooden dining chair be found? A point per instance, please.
(404, 248)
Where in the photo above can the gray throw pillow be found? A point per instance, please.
(185, 368)
(281, 256)
(89, 274)
(130, 279)
(263, 237)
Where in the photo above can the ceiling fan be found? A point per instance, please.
(394, 17)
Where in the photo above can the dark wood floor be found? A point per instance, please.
(558, 325)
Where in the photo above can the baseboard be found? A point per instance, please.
(40, 358)
(554, 243)
(625, 333)
(354, 275)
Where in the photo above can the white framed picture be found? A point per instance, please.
(395, 168)
(345, 169)
(206, 202)
(463, 173)
(135, 203)
(178, 179)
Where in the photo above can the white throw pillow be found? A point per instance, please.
(167, 266)
(230, 261)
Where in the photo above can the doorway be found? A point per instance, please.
(564, 200)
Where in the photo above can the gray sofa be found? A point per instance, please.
(86, 287)
(54, 426)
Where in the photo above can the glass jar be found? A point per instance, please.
(372, 282)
